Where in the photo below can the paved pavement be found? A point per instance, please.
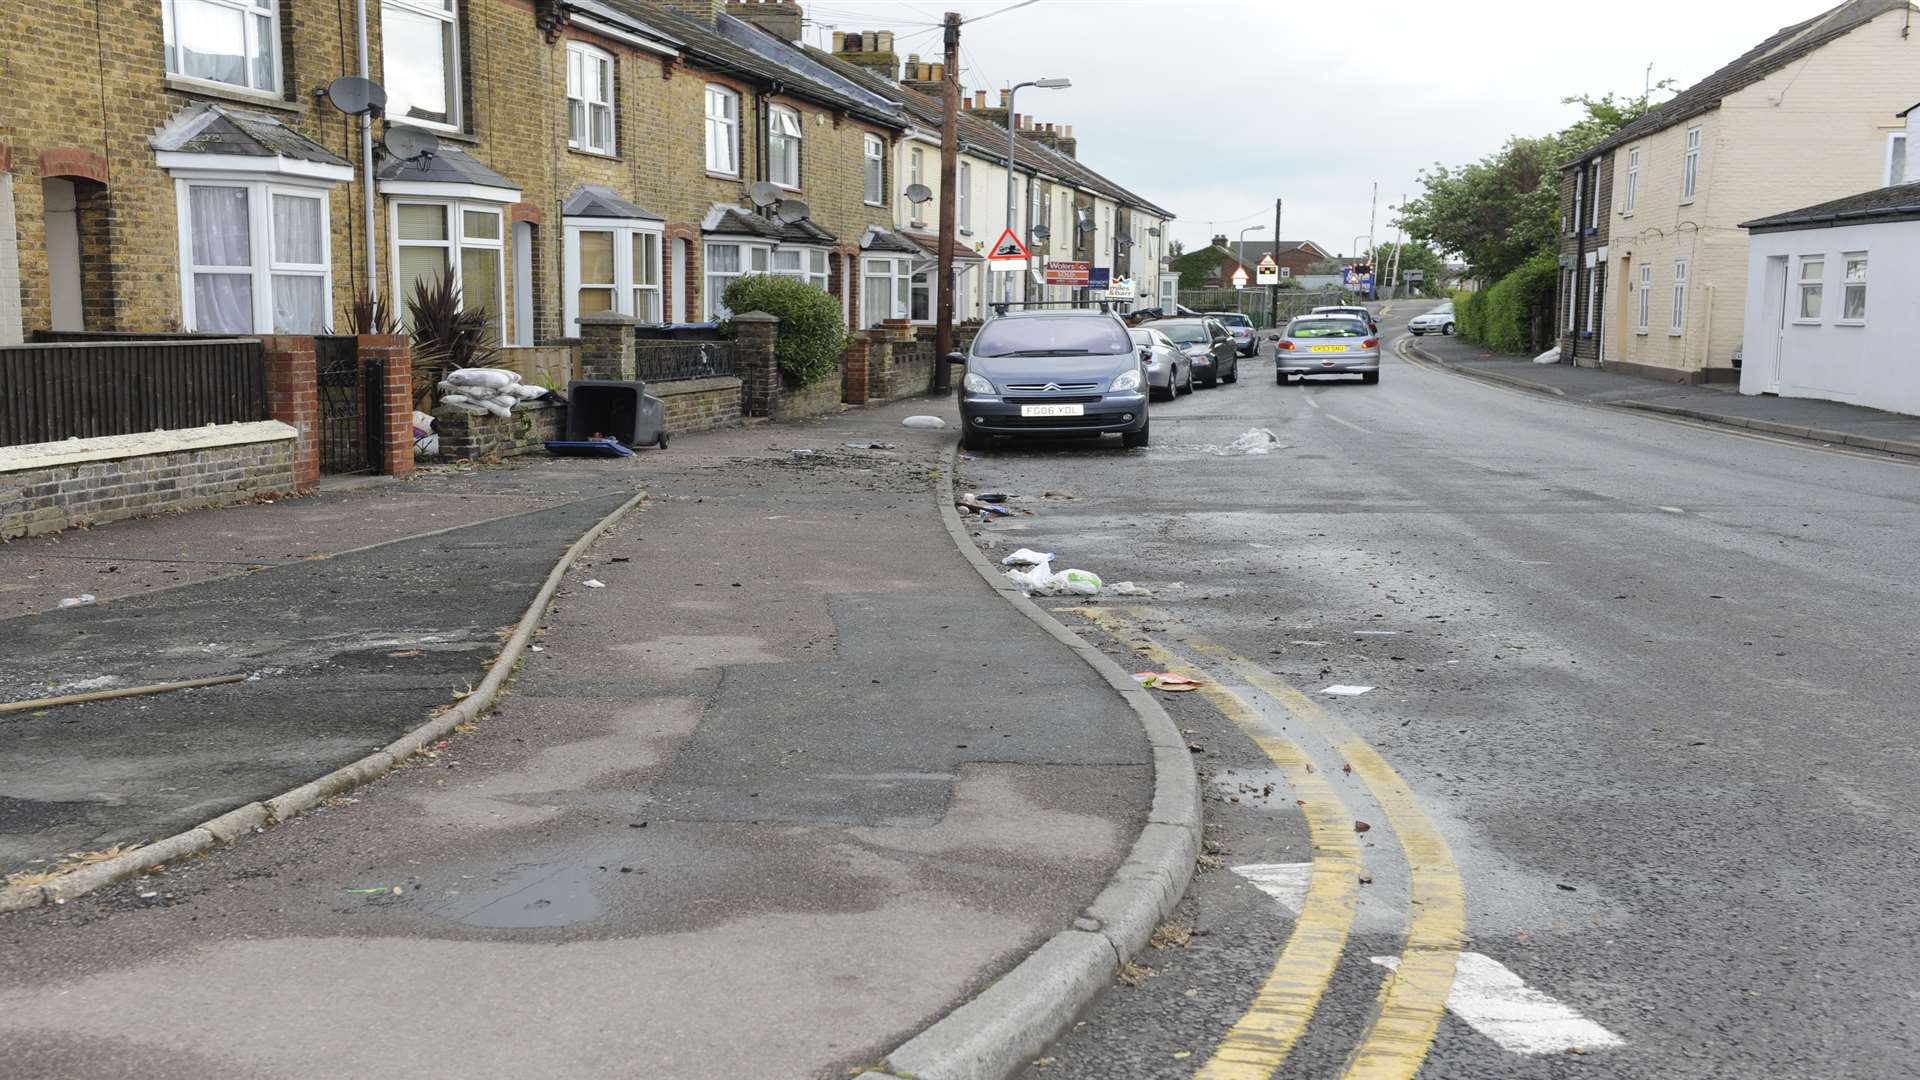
(1821, 421)
(1636, 769)
(792, 784)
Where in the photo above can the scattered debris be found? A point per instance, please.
(871, 446)
(929, 423)
(594, 583)
(1042, 578)
(995, 496)
(1027, 557)
(1166, 680)
(1127, 588)
(1250, 443)
(1362, 826)
(82, 600)
(1343, 690)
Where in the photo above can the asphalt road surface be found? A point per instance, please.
(1636, 771)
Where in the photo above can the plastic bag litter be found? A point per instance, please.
(1042, 578)
(1127, 588)
(1551, 356)
(929, 422)
(82, 600)
(1082, 582)
(1027, 557)
(1166, 680)
(1250, 443)
(427, 445)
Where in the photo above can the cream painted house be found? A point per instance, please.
(1804, 117)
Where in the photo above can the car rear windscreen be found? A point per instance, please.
(1185, 333)
(1234, 320)
(1073, 335)
(1327, 328)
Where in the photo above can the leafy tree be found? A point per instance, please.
(1195, 267)
(1500, 211)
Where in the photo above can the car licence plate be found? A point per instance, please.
(1053, 410)
(1329, 348)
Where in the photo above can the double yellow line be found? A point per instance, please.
(1414, 996)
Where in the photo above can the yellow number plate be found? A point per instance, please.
(1329, 348)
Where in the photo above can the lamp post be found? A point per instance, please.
(1044, 84)
(1242, 254)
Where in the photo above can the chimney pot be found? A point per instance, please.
(1069, 131)
(885, 42)
(979, 99)
(913, 58)
(1006, 98)
(839, 41)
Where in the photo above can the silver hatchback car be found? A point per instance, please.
(1326, 345)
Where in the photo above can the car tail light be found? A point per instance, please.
(1370, 343)
(1284, 344)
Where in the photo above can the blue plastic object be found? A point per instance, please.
(587, 448)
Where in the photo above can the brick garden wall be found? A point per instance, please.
(699, 404)
(35, 500)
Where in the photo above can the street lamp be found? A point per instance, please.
(1044, 84)
(1243, 240)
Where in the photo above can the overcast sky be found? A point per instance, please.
(1212, 108)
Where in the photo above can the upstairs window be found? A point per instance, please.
(964, 197)
(420, 47)
(1579, 199)
(589, 99)
(783, 146)
(723, 130)
(236, 42)
(1646, 296)
(1631, 193)
(1690, 173)
(1593, 208)
(1897, 158)
(874, 152)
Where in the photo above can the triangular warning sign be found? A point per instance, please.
(1008, 247)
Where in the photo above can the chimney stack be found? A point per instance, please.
(704, 12)
(872, 50)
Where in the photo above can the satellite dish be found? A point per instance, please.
(1040, 233)
(918, 193)
(792, 210)
(407, 143)
(1124, 241)
(1153, 232)
(1083, 225)
(353, 94)
(764, 194)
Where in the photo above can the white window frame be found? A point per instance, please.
(263, 266)
(1814, 288)
(723, 127)
(1579, 201)
(874, 166)
(898, 270)
(1646, 297)
(785, 139)
(1904, 157)
(963, 198)
(626, 281)
(923, 282)
(584, 100)
(755, 258)
(1678, 325)
(1847, 285)
(1690, 168)
(456, 241)
(1593, 201)
(813, 268)
(1630, 194)
(252, 14)
(1573, 286)
(1593, 297)
(448, 13)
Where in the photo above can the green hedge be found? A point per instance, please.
(1515, 316)
(813, 336)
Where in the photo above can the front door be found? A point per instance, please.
(1776, 346)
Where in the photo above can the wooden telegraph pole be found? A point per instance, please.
(949, 153)
(1273, 291)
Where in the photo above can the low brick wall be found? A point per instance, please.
(46, 487)
(795, 402)
(699, 404)
(909, 371)
(490, 438)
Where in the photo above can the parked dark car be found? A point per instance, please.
(1242, 329)
(1208, 346)
(1056, 372)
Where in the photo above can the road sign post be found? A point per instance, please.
(1008, 254)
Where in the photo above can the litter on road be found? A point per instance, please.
(1343, 690)
(78, 601)
(1043, 579)
(930, 423)
(1027, 557)
(1127, 588)
(594, 583)
(1167, 681)
(1250, 443)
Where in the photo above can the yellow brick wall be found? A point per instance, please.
(1813, 131)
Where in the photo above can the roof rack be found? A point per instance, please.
(1000, 306)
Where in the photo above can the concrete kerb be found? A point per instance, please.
(1500, 377)
(1799, 431)
(259, 815)
(998, 1033)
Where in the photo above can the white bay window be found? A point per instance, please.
(802, 264)
(886, 285)
(612, 265)
(726, 262)
(434, 239)
(255, 257)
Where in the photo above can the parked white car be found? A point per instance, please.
(1437, 321)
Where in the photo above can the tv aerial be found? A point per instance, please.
(792, 211)
(354, 95)
(764, 194)
(408, 143)
(918, 193)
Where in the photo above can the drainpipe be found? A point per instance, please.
(366, 156)
(1706, 356)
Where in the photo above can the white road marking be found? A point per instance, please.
(1312, 402)
(1500, 1005)
(1486, 995)
(1348, 423)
